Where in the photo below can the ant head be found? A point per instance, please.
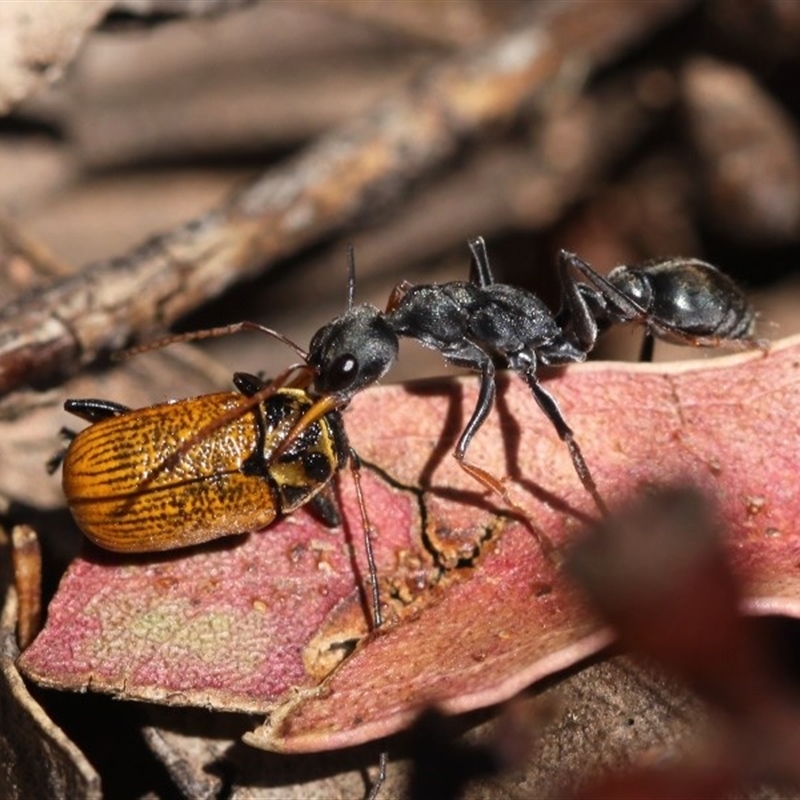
(352, 351)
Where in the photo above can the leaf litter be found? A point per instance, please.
(477, 608)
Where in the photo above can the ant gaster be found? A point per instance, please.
(481, 325)
(679, 300)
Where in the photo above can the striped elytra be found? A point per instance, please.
(128, 493)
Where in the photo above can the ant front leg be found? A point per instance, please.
(398, 295)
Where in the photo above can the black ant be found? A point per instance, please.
(481, 325)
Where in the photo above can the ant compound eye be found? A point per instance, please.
(342, 372)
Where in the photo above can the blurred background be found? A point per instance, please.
(621, 130)
(677, 137)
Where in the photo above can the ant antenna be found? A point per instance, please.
(351, 275)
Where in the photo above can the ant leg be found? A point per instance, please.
(377, 615)
(355, 469)
(648, 343)
(550, 407)
(484, 405)
(624, 308)
(251, 385)
(486, 398)
(397, 295)
(480, 272)
(578, 297)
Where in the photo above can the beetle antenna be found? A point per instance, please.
(210, 333)
(351, 276)
(284, 379)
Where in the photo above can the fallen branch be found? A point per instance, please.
(366, 164)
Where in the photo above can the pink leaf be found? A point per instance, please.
(477, 608)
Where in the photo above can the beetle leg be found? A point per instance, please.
(92, 411)
(54, 462)
(247, 383)
(95, 410)
(323, 505)
(250, 385)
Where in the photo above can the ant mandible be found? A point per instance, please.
(481, 325)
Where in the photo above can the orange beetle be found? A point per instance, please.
(128, 492)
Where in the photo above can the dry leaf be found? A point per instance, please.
(478, 610)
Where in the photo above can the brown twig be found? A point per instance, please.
(505, 185)
(26, 557)
(366, 164)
